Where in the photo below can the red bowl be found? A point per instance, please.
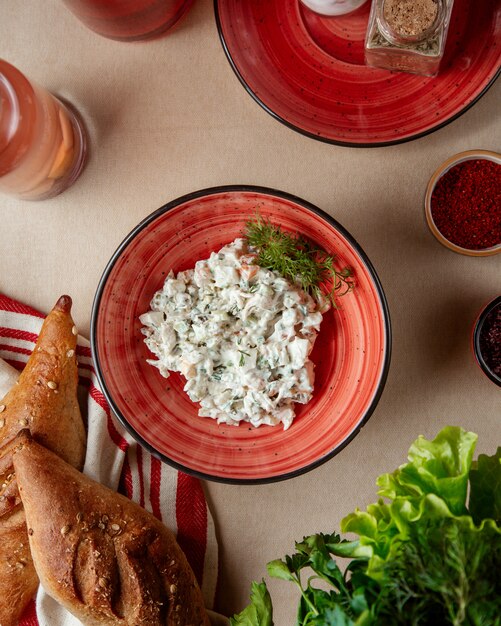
(308, 70)
(352, 351)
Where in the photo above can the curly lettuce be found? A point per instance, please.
(426, 553)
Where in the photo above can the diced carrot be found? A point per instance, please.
(250, 271)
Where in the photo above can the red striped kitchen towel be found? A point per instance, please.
(113, 458)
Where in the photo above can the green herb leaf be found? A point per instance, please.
(421, 558)
(259, 612)
(298, 260)
(485, 488)
(280, 569)
(443, 574)
(243, 354)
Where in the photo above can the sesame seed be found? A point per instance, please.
(70, 353)
(52, 385)
(65, 530)
(2, 408)
(23, 422)
(74, 330)
(102, 582)
(79, 517)
(173, 589)
(2, 423)
(115, 527)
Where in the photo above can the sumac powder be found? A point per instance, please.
(490, 341)
(466, 204)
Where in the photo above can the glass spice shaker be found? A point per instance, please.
(408, 35)
(42, 141)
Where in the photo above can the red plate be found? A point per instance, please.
(308, 71)
(352, 351)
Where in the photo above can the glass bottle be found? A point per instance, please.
(129, 20)
(42, 140)
(408, 35)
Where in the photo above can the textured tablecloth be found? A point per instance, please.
(169, 117)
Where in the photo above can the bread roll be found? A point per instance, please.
(45, 401)
(103, 557)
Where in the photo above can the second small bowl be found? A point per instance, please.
(470, 155)
(478, 336)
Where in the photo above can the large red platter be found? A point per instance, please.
(308, 71)
(352, 351)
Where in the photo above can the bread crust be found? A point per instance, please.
(45, 401)
(103, 557)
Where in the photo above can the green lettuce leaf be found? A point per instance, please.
(439, 467)
(485, 488)
(259, 612)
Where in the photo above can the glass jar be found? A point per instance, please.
(42, 141)
(129, 20)
(408, 35)
(333, 7)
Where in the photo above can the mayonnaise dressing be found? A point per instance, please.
(240, 334)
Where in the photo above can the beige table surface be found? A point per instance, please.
(169, 117)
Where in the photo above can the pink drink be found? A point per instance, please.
(129, 20)
(42, 142)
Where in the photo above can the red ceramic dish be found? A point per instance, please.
(308, 70)
(352, 351)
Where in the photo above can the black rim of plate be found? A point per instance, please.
(337, 142)
(477, 331)
(304, 204)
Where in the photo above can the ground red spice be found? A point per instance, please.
(490, 341)
(466, 204)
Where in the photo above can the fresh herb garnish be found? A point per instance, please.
(298, 260)
(430, 555)
(242, 357)
(218, 372)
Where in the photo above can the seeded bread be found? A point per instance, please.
(45, 401)
(101, 556)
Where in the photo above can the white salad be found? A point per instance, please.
(240, 334)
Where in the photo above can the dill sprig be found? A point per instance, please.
(298, 260)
